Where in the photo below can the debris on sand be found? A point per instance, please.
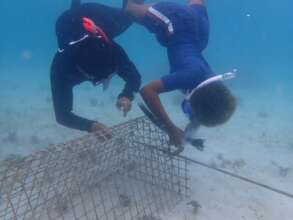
(124, 200)
(195, 205)
(236, 164)
(11, 137)
(283, 171)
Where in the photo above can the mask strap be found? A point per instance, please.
(222, 77)
(91, 27)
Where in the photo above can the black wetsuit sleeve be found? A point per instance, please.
(129, 73)
(62, 95)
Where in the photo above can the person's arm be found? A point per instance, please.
(62, 95)
(150, 94)
(129, 73)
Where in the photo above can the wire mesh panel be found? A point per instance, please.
(128, 176)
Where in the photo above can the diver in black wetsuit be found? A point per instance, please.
(87, 52)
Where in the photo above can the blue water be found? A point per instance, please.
(257, 45)
(254, 37)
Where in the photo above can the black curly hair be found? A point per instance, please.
(213, 104)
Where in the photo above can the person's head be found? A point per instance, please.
(213, 104)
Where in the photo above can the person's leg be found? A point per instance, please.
(137, 9)
(120, 22)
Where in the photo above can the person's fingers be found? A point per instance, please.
(124, 106)
(104, 134)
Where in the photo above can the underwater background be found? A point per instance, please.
(254, 37)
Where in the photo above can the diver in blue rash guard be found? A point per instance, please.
(87, 52)
(184, 30)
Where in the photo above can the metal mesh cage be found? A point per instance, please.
(126, 177)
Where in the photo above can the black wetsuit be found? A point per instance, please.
(92, 59)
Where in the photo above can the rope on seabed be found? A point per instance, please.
(245, 179)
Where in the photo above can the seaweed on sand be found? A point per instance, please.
(283, 171)
(236, 164)
(124, 200)
(195, 205)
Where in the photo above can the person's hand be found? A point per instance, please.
(176, 137)
(124, 104)
(102, 131)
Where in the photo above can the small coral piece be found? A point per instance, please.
(284, 171)
(124, 200)
(195, 205)
(239, 164)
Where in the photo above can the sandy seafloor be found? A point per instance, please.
(257, 143)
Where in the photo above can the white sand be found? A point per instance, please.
(257, 144)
